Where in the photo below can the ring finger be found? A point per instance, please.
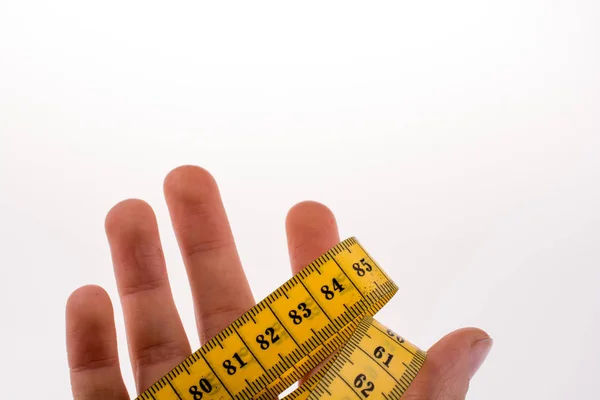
(156, 338)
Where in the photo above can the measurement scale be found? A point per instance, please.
(323, 314)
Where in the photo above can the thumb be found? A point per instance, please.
(450, 365)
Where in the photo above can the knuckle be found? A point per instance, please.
(215, 320)
(140, 286)
(160, 352)
(93, 363)
(202, 247)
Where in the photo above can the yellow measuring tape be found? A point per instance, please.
(322, 315)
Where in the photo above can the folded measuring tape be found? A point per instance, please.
(320, 316)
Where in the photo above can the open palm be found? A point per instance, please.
(156, 338)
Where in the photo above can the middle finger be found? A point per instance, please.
(219, 287)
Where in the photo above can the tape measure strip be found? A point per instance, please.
(323, 310)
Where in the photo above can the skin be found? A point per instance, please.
(155, 335)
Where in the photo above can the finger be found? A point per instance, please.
(450, 365)
(219, 287)
(155, 334)
(92, 346)
(311, 231)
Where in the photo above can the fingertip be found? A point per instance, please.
(311, 230)
(126, 216)
(459, 353)
(459, 342)
(88, 298)
(310, 214)
(189, 181)
(88, 308)
(468, 335)
(89, 324)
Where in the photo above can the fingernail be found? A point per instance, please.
(478, 354)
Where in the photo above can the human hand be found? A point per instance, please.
(155, 335)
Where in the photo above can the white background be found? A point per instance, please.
(458, 140)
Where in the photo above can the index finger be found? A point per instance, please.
(311, 231)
